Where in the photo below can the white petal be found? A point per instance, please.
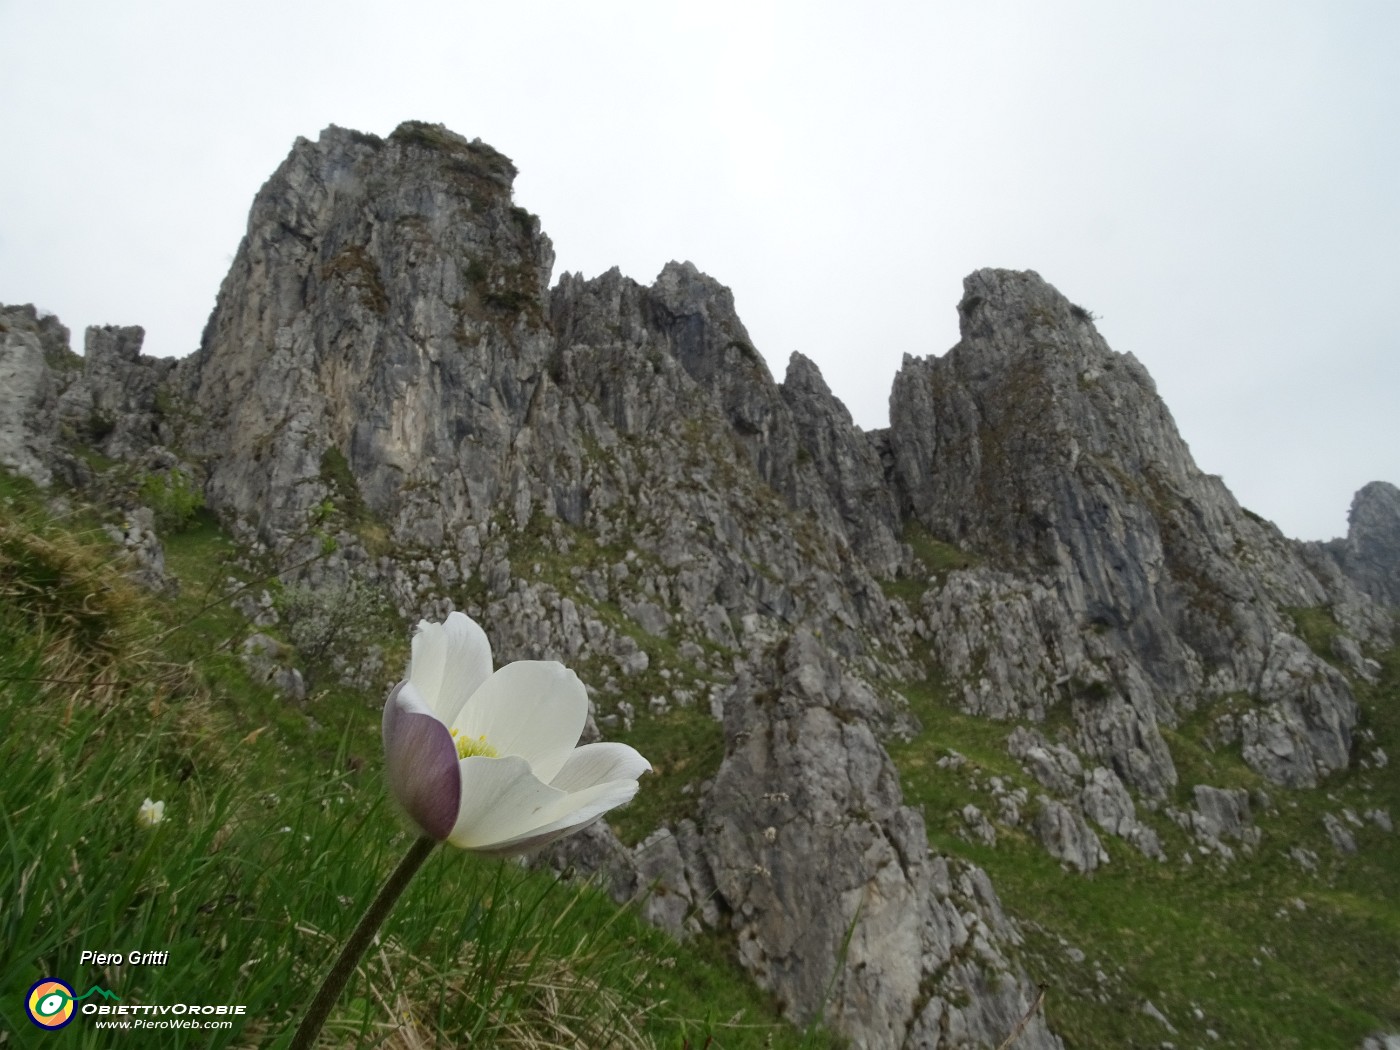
(450, 661)
(501, 799)
(572, 814)
(534, 709)
(407, 697)
(428, 659)
(598, 764)
(468, 664)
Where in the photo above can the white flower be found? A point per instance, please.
(488, 761)
(150, 814)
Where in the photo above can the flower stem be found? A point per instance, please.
(355, 947)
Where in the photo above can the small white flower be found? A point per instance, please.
(488, 761)
(150, 814)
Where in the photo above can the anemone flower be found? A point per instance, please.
(489, 761)
(151, 813)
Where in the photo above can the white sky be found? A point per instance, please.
(1220, 182)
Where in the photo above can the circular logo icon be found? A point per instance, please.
(50, 1003)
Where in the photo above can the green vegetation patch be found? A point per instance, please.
(470, 161)
(685, 747)
(1201, 757)
(1260, 951)
(355, 268)
(337, 476)
(276, 834)
(935, 559)
(510, 291)
(1317, 627)
(174, 497)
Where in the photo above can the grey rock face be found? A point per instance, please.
(1370, 554)
(1006, 639)
(1053, 765)
(1343, 841)
(661, 870)
(33, 355)
(1128, 582)
(137, 535)
(1305, 731)
(1223, 813)
(656, 874)
(978, 828)
(117, 399)
(387, 342)
(1101, 796)
(52, 401)
(798, 438)
(1065, 835)
(265, 658)
(1105, 801)
(848, 463)
(386, 329)
(1220, 814)
(810, 849)
(382, 321)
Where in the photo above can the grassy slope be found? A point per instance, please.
(276, 834)
(1260, 952)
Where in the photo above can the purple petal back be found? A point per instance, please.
(420, 764)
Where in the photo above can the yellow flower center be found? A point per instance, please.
(467, 747)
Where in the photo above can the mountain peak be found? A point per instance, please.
(607, 472)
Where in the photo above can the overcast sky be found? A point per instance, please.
(1219, 182)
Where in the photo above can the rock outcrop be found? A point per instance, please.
(607, 473)
(1370, 554)
(119, 396)
(385, 340)
(53, 401)
(34, 362)
(826, 877)
(380, 331)
(1128, 584)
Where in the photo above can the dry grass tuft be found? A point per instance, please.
(549, 1003)
(94, 630)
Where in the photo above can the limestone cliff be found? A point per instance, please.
(382, 313)
(1121, 580)
(34, 360)
(1370, 553)
(606, 472)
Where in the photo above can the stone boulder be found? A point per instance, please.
(1066, 836)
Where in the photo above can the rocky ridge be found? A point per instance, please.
(1128, 583)
(1369, 555)
(606, 473)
